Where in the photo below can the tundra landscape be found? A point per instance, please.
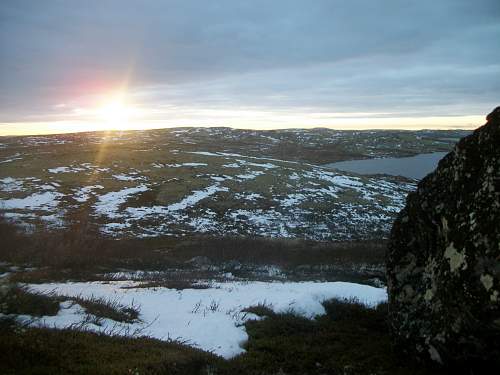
(188, 235)
(222, 187)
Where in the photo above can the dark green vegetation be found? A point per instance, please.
(349, 339)
(49, 351)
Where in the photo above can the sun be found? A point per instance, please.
(115, 112)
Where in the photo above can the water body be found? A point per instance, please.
(415, 167)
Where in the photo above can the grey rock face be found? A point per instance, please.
(443, 261)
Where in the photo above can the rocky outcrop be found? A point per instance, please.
(443, 261)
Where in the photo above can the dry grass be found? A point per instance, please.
(108, 308)
(81, 253)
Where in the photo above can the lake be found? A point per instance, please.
(415, 167)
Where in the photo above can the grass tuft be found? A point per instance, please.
(108, 309)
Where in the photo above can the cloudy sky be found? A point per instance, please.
(73, 65)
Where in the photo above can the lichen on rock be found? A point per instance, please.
(456, 259)
(443, 260)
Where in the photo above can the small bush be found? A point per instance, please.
(344, 309)
(261, 309)
(20, 301)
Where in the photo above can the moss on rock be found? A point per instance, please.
(443, 265)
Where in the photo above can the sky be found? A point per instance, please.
(345, 64)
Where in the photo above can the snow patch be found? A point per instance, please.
(109, 203)
(124, 177)
(210, 319)
(250, 176)
(10, 184)
(37, 201)
(82, 195)
(195, 197)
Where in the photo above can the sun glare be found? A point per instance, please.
(115, 112)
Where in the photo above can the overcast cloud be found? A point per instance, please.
(386, 58)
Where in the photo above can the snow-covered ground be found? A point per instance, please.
(211, 319)
(180, 191)
(286, 206)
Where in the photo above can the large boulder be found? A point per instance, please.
(443, 260)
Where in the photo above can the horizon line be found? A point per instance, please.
(111, 130)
